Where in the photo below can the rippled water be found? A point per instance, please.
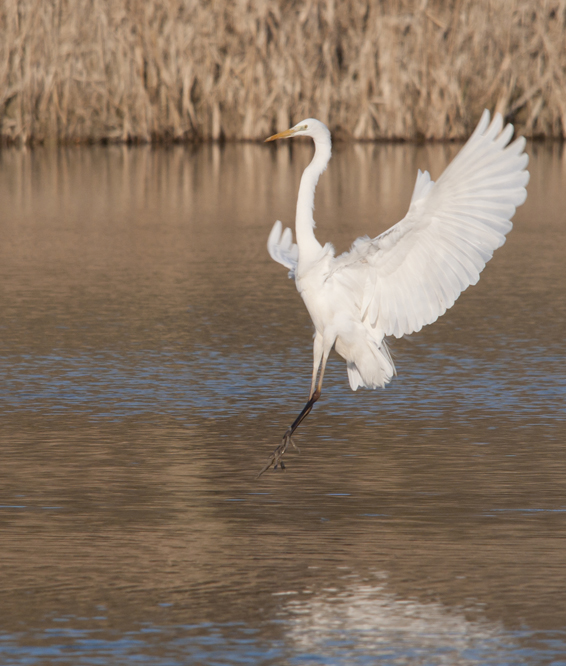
(152, 356)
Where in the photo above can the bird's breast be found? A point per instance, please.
(326, 302)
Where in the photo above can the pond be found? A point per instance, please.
(152, 355)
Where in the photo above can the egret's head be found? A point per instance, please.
(309, 127)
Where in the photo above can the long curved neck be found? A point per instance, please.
(304, 221)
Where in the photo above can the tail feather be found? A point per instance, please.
(370, 366)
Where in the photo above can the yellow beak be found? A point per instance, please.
(282, 135)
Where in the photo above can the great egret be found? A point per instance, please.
(410, 275)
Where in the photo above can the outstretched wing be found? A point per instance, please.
(282, 249)
(411, 274)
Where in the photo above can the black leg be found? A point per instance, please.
(276, 456)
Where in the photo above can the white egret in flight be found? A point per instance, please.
(410, 275)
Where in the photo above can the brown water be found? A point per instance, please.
(152, 355)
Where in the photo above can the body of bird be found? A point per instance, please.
(336, 314)
(408, 276)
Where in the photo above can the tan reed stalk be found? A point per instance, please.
(142, 70)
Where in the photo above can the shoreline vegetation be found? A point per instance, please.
(90, 71)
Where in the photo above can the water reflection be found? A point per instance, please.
(152, 355)
(346, 626)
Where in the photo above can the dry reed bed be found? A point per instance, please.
(141, 70)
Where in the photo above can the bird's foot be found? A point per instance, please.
(275, 459)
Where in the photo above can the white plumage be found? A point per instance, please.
(410, 275)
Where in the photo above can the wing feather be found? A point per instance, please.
(411, 274)
(282, 249)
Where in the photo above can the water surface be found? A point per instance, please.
(152, 356)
